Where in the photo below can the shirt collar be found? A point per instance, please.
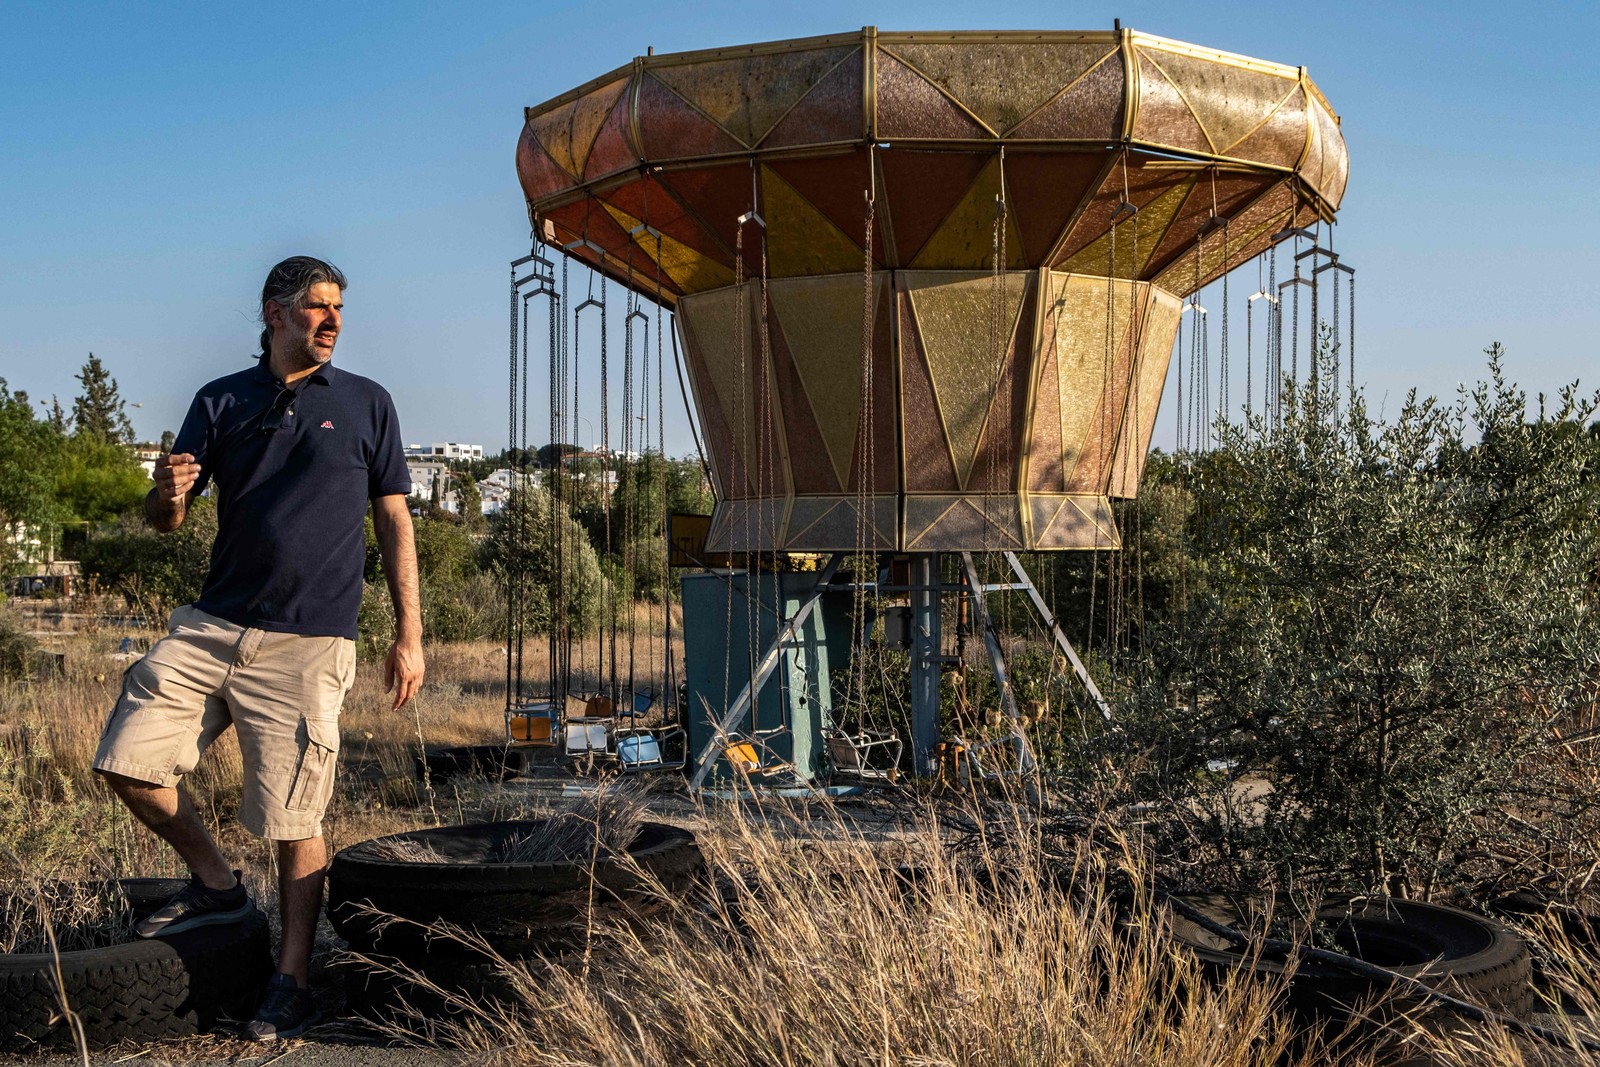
(324, 374)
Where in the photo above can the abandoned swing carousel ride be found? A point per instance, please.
(923, 291)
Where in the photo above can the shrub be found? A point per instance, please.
(1392, 627)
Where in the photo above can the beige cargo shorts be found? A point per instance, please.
(282, 692)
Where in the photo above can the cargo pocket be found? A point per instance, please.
(122, 696)
(313, 778)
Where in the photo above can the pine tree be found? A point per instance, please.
(167, 438)
(471, 499)
(99, 410)
(58, 418)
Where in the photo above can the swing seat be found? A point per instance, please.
(872, 755)
(588, 737)
(639, 705)
(536, 723)
(746, 754)
(660, 749)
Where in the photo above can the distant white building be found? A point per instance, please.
(495, 490)
(427, 474)
(147, 454)
(444, 450)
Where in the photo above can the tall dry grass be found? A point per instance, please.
(822, 945)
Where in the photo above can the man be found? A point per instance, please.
(295, 451)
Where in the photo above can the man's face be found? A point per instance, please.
(310, 331)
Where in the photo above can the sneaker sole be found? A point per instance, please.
(283, 1035)
(194, 922)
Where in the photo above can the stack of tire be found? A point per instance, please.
(139, 991)
(395, 911)
(1455, 951)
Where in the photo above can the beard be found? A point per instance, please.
(303, 351)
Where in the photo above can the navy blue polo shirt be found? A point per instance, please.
(294, 468)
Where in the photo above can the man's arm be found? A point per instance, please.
(402, 667)
(168, 503)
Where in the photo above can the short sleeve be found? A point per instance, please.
(194, 437)
(388, 475)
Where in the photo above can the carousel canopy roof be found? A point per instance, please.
(646, 171)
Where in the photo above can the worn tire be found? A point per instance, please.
(496, 762)
(141, 990)
(520, 908)
(381, 996)
(1455, 951)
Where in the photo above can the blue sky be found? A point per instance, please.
(156, 159)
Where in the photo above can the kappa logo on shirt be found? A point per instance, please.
(327, 424)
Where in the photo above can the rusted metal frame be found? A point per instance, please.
(1025, 583)
(768, 663)
(997, 664)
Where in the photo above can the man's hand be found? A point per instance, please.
(402, 667)
(402, 671)
(175, 475)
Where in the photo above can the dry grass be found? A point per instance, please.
(600, 826)
(821, 949)
(817, 948)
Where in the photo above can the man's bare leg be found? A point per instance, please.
(301, 865)
(168, 813)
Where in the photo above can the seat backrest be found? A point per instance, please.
(844, 755)
(586, 737)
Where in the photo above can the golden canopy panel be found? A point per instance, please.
(644, 172)
(1023, 213)
(976, 416)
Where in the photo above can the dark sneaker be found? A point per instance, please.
(286, 1011)
(196, 905)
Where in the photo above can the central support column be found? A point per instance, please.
(926, 649)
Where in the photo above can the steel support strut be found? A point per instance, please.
(926, 661)
(1026, 584)
(997, 663)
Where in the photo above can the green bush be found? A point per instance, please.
(157, 571)
(1386, 627)
(520, 554)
